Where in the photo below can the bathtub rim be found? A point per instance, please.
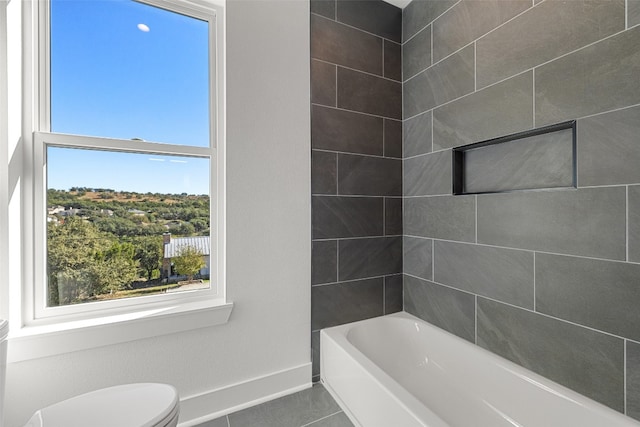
(338, 334)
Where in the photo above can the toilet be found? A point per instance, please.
(128, 405)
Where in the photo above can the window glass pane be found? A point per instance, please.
(121, 225)
(123, 69)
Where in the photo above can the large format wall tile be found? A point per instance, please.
(346, 302)
(323, 83)
(588, 222)
(374, 16)
(449, 309)
(417, 135)
(429, 174)
(469, 20)
(633, 380)
(392, 60)
(418, 14)
(540, 161)
(326, 8)
(598, 78)
(343, 45)
(609, 148)
(393, 294)
(336, 217)
(584, 360)
(497, 273)
(440, 217)
(393, 138)
(323, 172)
(416, 54)
(324, 262)
(360, 258)
(544, 33)
(392, 216)
(599, 294)
(369, 94)
(443, 82)
(347, 131)
(418, 258)
(634, 223)
(495, 111)
(370, 176)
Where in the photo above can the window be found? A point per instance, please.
(127, 159)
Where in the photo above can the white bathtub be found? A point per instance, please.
(398, 371)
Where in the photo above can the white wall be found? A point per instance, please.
(268, 244)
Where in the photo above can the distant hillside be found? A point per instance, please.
(126, 214)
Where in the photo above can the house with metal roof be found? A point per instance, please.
(173, 246)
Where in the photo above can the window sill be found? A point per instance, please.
(33, 342)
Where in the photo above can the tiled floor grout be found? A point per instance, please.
(319, 406)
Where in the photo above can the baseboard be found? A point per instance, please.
(210, 405)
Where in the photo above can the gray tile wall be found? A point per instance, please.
(549, 279)
(356, 140)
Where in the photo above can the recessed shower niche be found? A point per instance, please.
(535, 159)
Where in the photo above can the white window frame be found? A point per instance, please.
(53, 330)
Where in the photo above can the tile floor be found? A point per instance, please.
(313, 407)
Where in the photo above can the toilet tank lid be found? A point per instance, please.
(129, 405)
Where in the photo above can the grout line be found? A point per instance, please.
(336, 81)
(476, 223)
(380, 76)
(475, 66)
(357, 238)
(382, 64)
(384, 296)
(359, 196)
(356, 112)
(533, 97)
(357, 70)
(384, 216)
(383, 137)
(320, 419)
(433, 260)
(627, 223)
(431, 22)
(355, 154)
(337, 262)
(538, 65)
(521, 308)
(534, 282)
(471, 93)
(355, 28)
(339, 282)
(521, 249)
(528, 190)
(431, 52)
(432, 143)
(337, 175)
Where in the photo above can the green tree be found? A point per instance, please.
(115, 268)
(71, 250)
(189, 261)
(83, 262)
(149, 253)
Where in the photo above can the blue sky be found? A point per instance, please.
(123, 69)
